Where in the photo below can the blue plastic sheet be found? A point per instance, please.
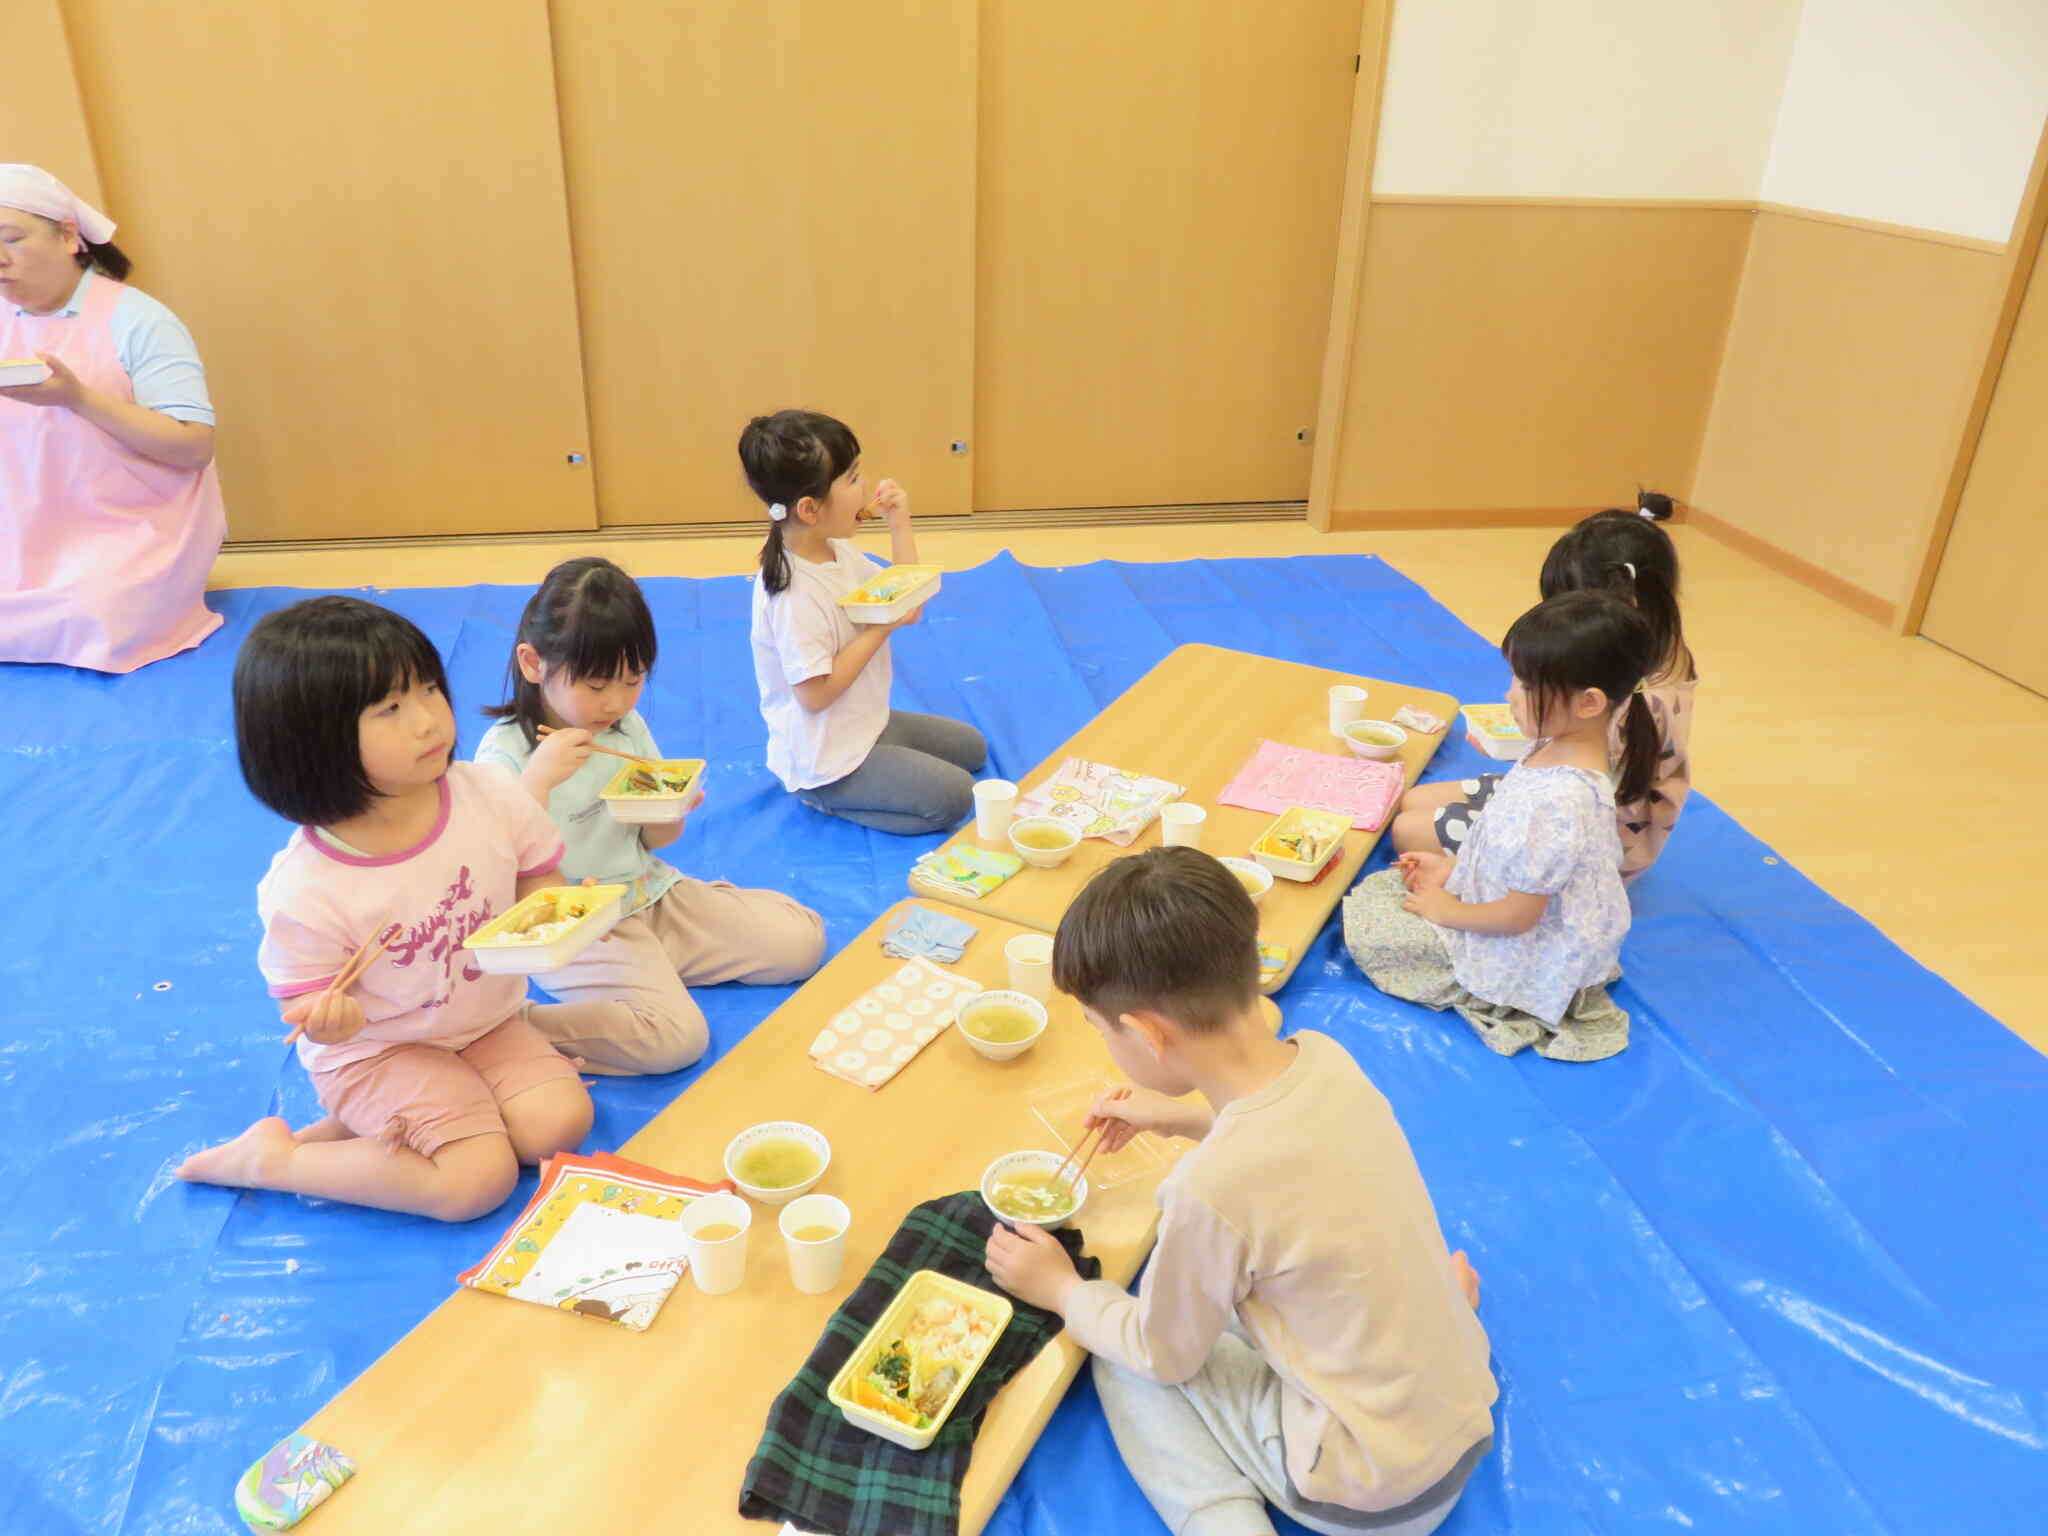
(1776, 1268)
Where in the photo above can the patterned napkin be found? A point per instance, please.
(875, 1037)
(965, 871)
(820, 1473)
(934, 935)
(1277, 776)
(1101, 801)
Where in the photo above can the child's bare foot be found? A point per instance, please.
(253, 1160)
(326, 1128)
(1468, 1277)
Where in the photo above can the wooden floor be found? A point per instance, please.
(1910, 783)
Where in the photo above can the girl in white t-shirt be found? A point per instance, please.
(833, 740)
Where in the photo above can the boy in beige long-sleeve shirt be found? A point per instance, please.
(1302, 1336)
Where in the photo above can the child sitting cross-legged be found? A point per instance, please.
(1301, 1338)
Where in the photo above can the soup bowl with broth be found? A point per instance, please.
(1027, 1188)
(776, 1161)
(1252, 875)
(1002, 1024)
(1042, 842)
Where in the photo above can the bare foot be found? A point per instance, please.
(327, 1128)
(253, 1160)
(1468, 1277)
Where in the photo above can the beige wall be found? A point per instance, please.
(41, 119)
(1533, 355)
(1850, 361)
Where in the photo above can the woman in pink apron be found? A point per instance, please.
(110, 510)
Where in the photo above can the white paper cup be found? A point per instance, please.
(719, 1266)
(1347, 703)
(1030, 957)
(994, 802)
(814, 1265)
(1180, 824)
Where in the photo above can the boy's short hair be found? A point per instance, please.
(302, 681)
(1169, 931)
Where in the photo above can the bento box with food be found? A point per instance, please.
(910, 1372)
(643, 793)
(1493, 731)
(547, 930)
(1300, 841)
(17, 371)
(888, 595)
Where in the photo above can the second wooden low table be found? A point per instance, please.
(1194, 719)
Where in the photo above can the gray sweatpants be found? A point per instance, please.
(1208, 1453)
(918, 777)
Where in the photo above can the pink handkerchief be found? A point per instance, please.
(1278, 776)
(874, 1037)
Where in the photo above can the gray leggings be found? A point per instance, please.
(918, 777)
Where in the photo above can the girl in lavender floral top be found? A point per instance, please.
(1521, 930)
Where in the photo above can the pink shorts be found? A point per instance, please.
(425, 1096)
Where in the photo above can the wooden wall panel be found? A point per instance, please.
(1533, 354)
(773, 206)
(1159, 201)
(1850, 361)
(1986, 602)
(357, 207)
(42, 121)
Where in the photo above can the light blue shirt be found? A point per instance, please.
(157, 352)
(1546, 832)
(593, 844)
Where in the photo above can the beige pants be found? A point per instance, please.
(624, 1007)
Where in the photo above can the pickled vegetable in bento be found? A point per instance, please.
(656, 781)
(544, 921)
(776, 1162)
(999, 1023)
(912, 1376)
(1039, 1194)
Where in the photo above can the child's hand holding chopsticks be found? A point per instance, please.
(332, 1016)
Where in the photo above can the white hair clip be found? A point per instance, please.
(777, 512)
(1629, 566)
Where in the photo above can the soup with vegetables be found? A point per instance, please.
(1032, 1195)
(776, 1162)
(999, 1024)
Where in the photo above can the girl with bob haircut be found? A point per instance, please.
(824, 680)
(1521, 931)
(1628, 556)
(585, 647)
(436, 1084)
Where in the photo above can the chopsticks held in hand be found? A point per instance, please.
(1101, 1132)
(352, 972)
(652, 767)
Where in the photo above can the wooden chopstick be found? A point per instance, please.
(647, 763)
(1097, 1131)
(1081, 1172)
(357, 963)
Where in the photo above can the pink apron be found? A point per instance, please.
(103, 553)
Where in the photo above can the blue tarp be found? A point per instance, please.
(1776, 1268)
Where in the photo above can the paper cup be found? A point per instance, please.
(1180, 824)
(1030, 957)
(814, 1263)
(994, 801)
(718, 1266)
(1347, 703)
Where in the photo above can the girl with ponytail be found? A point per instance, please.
(1521, 930)
(1631, 558)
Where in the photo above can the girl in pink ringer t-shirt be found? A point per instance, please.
(435, 1083)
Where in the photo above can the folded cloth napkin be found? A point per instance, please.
(1418, 719)
(814, 1469)
(934, 935)
(874, 1037)
(964, 871)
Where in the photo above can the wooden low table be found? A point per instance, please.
(1193, 720)
(502, 1416)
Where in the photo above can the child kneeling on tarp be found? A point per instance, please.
(1301, 1338)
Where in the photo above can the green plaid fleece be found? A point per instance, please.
(817, 1470)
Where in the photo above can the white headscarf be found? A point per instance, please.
(34, 190)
